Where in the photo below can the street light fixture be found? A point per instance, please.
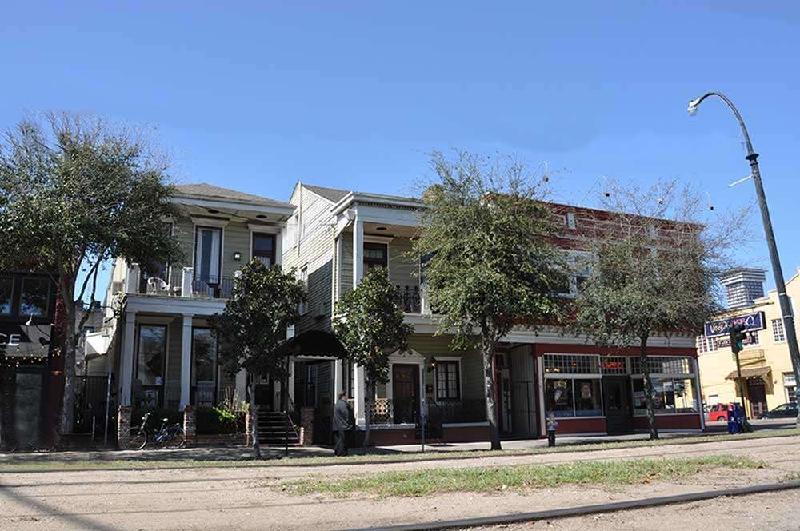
(777, 271)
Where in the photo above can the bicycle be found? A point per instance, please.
(162, 437)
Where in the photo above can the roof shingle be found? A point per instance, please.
(210, 191)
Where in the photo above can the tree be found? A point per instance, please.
(252, 328)
(488, 257)
(74, 194)
(369, 324)
(654, 270)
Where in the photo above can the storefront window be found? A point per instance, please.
(587, 398)
(152, 354)
(670, 395)
(558, 394)
(35, 296)
(6, 292)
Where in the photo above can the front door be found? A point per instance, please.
(405, 393)
(617, 404)
(757, 393)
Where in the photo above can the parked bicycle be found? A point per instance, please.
(165, 436)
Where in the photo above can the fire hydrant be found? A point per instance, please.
(551, 431)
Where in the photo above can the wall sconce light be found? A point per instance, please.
(237, 256)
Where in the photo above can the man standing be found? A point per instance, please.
(341, 423)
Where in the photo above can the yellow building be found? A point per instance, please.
(767, 374)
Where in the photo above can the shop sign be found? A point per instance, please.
(612, 365)
(21, 340)
(722, 327)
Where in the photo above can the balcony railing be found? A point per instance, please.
(408, 299)
(179, 283)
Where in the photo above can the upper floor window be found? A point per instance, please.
(35, 297)
(6, 293)
(375, 255)
(155, 270)
(778, 333)
(569, 220)
(208, 254)
(264, 248)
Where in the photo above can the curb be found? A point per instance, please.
(585, 510)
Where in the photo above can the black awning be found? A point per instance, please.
(313, 343)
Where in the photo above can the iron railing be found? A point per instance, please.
(408, 298)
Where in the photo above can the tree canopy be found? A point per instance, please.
(369, 324)
(76, 192)
(489, 262)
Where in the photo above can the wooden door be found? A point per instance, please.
(405, 393)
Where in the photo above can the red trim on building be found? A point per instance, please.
(686, 421)
(538, 349)
(581, 425)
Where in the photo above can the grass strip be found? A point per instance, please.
(519, 477)
(52, 462)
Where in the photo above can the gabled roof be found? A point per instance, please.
(331, 194)
(212, 192)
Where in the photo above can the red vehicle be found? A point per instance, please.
(718, 412)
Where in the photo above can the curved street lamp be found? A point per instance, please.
(777, 271)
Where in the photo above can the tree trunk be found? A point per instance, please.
(648, 389)
(369, 399)
(67, 421)
(487, 350)
(254, 420)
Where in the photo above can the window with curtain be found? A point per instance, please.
(448, 385)
(264, 248)
(204, 354)
(208, 254)
(375, 255)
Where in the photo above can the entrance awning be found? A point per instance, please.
(313, 343)
(750, 372)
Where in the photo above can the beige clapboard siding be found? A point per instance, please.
(314, 251)
(403, 270)
(235, 238)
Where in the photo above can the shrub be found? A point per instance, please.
(214, 420)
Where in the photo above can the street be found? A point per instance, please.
(262, 497)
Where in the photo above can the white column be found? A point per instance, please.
(359, 392)
(279, 246)
(126, 359)
(358, 251)
(338, 381)
(698, 392)
(186, 361)
(132, 279)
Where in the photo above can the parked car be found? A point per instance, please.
(718, 412)
(782, 411)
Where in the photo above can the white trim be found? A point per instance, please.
(230, 204)
(200, 221)
(266, 229)
(371, 238)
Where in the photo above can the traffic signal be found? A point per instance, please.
(737, 338)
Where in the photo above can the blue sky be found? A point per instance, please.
(258, 95)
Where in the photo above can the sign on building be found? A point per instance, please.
(722, 327)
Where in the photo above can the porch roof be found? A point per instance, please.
(750, 372)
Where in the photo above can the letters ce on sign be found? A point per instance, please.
(19, 340)
(722, 327)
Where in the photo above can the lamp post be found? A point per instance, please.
(777, 271)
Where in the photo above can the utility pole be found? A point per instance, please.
(777, 271)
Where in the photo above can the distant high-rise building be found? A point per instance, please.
(743, 286)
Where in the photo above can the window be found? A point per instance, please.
(587, 398)
(35, 297)
(448, 385)
(777, 330)
(558, 394)
(571, 364)
(302, 308)
(208, 255)
(375, 255)
(662, 365)
(264, 248)
(152, 354)
(791, 387)
(570, 220)
(6, 294)
(670, 395)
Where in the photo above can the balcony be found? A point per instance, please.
(179, 283)
(409, 299)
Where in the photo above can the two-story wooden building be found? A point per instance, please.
(334, 236)
(162, 351)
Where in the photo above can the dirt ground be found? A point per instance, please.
(253, 498)
(759, 511)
